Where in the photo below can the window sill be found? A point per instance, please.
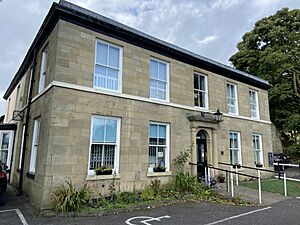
(103, 177)
(30, 175)
(159, 174)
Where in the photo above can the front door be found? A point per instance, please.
(5, 147)
(201, 156)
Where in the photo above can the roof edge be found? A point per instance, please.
(88, 15)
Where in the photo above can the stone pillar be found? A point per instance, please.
(194, 153)
(215, 148)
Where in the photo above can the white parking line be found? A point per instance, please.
(237, 216)
(20, 215)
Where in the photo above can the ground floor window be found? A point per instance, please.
(257, 148)
(158, 147)
(104, 147)
(235, 148)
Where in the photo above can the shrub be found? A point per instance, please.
(69, 199)
(129, 197)
(155, 186)
(148, 194)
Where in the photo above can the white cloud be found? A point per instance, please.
(210, 28)
(207, 40)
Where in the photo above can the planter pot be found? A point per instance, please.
(221, 179)
(259, 165)
(157, 169)
(105, 172)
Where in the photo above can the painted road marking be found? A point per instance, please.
(20, 215)
(145, 219)
(237, 216)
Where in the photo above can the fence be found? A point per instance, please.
(292, 171)
(230, 173)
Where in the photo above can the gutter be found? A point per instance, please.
(27, 118)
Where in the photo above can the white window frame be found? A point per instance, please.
(260, 150)
(255, 104)
(167, 80)
(21, 146)
(120, 69)
(235, 99)
(35, 144)
(205, 91)
(9, 147)
(239, 149)
(43, 71)
(117, 148)
(167, 152)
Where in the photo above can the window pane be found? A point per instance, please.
(161, 93)
(162, 131)
(98, 130)
(152, 156)
(112, 79)
(5, 141)
(153, 69)
(109, 156)
(153, 130)
(202, 99)
(100, 76)
(162, 71)
(102, 50)
(202, 83)
(196, 81)
(111, 131)
(96, 156)
(153, 88)
(114, 57)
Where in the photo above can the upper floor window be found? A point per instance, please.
(254, 111)
(158, 147)
(200, 91)
(257, 148)
(159, 72)
(108, 66)
(43, 71)
(232, 100)
(105, 142)
(235, 148)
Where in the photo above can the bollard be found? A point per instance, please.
(208, 176)
(284, 184)
(231, 179)
(227, 180)
(205, 175)
(236, 176)
(259, 186)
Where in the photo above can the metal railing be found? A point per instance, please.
(258, 169)
(229, 176)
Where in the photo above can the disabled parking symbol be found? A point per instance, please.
(145, 220)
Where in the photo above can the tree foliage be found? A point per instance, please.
(272, 51)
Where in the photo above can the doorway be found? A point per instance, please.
(201, 148)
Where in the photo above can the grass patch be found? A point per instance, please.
(276, 186)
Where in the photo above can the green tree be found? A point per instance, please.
(272, 51)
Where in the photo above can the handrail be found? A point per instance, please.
(252, 168)
(210, 166)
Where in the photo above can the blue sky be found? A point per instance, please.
(211, 28)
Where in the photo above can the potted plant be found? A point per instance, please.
(221, 178)
(258, 165)
(159, 169)
(103, 170)
(237, 166)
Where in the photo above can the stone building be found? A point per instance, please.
(92, 92)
